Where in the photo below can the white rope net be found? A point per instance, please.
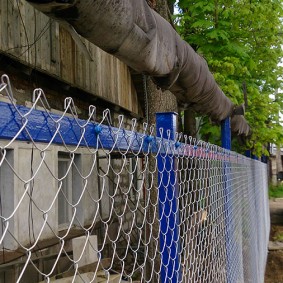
(82, 201)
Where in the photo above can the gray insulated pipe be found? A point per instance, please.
(137, 35)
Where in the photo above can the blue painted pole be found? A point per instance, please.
(248, 153)
(255, 157)
(226, 133)
(264, 159)
(226, 143)
(168, 204)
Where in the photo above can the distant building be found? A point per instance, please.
(276, 164)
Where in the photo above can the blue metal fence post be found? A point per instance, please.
(168, 204)
(248, 153)
(226, 133)
(264, 159)
(226, 144)
(255, 157)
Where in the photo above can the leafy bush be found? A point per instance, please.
(275, 191)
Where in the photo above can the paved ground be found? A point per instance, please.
(274, 268)
(276, 211)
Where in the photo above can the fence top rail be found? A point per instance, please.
(37, 126)
(42, 126)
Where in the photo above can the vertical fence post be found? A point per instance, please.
(226, 144)
(226, 133)
(255, 157)
(248, 153)
(168, 204)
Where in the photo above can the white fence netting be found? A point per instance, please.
(82, 201)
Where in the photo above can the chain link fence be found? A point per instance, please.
(83, 201)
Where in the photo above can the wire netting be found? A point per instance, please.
(83, 201)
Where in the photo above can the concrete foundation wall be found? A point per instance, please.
(27, 199)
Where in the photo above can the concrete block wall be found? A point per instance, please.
(31, 197)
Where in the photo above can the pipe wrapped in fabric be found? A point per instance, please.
(141, 38)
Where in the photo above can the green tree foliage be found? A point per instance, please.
(241, 41)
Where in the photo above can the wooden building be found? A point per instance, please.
(35, 51)
(42, 47)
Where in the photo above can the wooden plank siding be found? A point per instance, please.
(39, 42)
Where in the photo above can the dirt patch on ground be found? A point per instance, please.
(276, 233)
(274, 267)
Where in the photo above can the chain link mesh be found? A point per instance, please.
(82, 201)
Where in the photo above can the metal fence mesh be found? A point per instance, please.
(82, 201)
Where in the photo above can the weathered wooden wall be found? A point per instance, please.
(38, 41)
